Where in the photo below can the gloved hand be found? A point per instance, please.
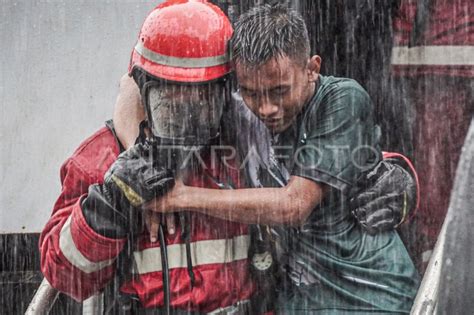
(137, 176)
(386, 196)
(133, 179)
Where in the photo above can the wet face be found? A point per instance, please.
(277, 90)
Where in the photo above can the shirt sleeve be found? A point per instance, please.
(339, 138)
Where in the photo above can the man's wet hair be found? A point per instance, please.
(269, 31)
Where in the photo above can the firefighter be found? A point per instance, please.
(181, 65)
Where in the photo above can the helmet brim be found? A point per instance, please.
(177, 74)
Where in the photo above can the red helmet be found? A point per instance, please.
(183, 41)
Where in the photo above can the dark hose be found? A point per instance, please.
(166, 271)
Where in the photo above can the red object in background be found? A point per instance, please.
(445, 47)
(437, 76)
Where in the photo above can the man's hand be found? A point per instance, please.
(153, 220)
(171, 202)
(162, 209)
(388, 195)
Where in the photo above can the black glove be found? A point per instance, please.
(137, 176)
(133, 179)
(386, 195)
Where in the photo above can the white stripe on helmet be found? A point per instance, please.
(202, 62)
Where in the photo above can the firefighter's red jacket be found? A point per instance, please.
(80, 262)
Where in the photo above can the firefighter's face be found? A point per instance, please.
(190, 112)
(277, 90)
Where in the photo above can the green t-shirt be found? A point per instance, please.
(334, 266)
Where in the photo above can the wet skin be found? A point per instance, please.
(278, 90)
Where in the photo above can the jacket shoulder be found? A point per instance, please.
(96, 153)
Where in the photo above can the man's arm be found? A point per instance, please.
(289, 205)
(128, 112)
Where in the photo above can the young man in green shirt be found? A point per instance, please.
(323, 133)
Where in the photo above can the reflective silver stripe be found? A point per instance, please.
(202, 253)
(74, 256)
(203, 62)
(433, 55)
(241, 307)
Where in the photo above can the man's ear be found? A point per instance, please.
(314, 66)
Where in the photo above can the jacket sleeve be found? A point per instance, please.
(75, 259)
